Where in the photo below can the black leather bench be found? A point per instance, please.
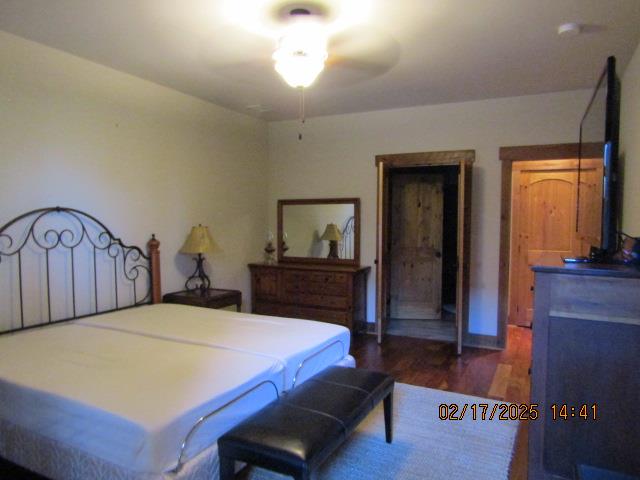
(296, 433)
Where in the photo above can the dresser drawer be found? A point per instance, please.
(318, 300)
(317, 278)
(266, 284)
(316, 287)
(305, 313)
(333, 294)
(266, 308)
(321, 315)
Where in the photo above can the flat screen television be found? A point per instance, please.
(599, 138)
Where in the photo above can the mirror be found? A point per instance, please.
(319, 231)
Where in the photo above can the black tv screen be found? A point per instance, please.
(599, 136)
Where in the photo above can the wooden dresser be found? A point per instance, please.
(586, 351)
(327, 293)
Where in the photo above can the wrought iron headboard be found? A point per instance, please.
(346, 244)
(69, 234)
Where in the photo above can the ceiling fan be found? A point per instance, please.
(298, 39)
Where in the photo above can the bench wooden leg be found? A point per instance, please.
(227, 468)
(388, 417)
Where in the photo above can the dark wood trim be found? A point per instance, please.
(382, 249)
(505, 246)
(508, 155)
(321, 261)
(421, 159)
(462, 158)
(463, 280)
(558, 151)
(153, 246)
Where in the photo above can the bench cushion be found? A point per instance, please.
(301, 429)
(283, 438)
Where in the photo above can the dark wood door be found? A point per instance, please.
(382, 254)
(416, 246)
(464, 251)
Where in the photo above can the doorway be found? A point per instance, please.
(423, 204)
(541, 185)
(422, 274)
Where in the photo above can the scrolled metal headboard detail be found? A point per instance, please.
(71, 236)
(346, 244)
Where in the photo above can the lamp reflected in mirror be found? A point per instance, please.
(319, 231)
(333, 235)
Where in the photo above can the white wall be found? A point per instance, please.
(630, 145)
(336, 158)
(145, 158)
(138, 156)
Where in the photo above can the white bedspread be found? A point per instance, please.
(287, 340)
(127, 399)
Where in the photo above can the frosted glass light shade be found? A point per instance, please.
(301, 53)
(299, 71)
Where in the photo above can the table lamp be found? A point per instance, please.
(198, 241)
(333, 235)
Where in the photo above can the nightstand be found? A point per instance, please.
(213, 298)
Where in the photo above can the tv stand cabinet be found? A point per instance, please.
(586, 351)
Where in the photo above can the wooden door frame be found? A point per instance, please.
(423, 159)
(508, 155)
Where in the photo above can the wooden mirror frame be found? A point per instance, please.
(355, 261)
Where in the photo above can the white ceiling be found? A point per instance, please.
(410, 52)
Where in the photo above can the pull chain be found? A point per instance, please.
(302, 113)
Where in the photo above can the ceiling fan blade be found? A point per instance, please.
(231, 45)
(373, 67)
(364, 40)
(360, 54)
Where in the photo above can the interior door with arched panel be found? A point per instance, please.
(544, 199)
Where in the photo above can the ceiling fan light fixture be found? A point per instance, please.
(299, 71)
(301, 53)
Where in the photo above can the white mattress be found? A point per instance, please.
(127, 399)
(286, 340)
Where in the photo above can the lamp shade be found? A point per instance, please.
(198, 241)
(332, 233)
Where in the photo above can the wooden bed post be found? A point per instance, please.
(154, 264)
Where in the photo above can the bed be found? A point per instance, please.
(111, 391)
(301, 347)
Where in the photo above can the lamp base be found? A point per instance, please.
(199, 280)
(333, 249)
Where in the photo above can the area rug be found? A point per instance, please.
(424, 447)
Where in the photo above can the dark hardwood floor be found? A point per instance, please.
(501, 375)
